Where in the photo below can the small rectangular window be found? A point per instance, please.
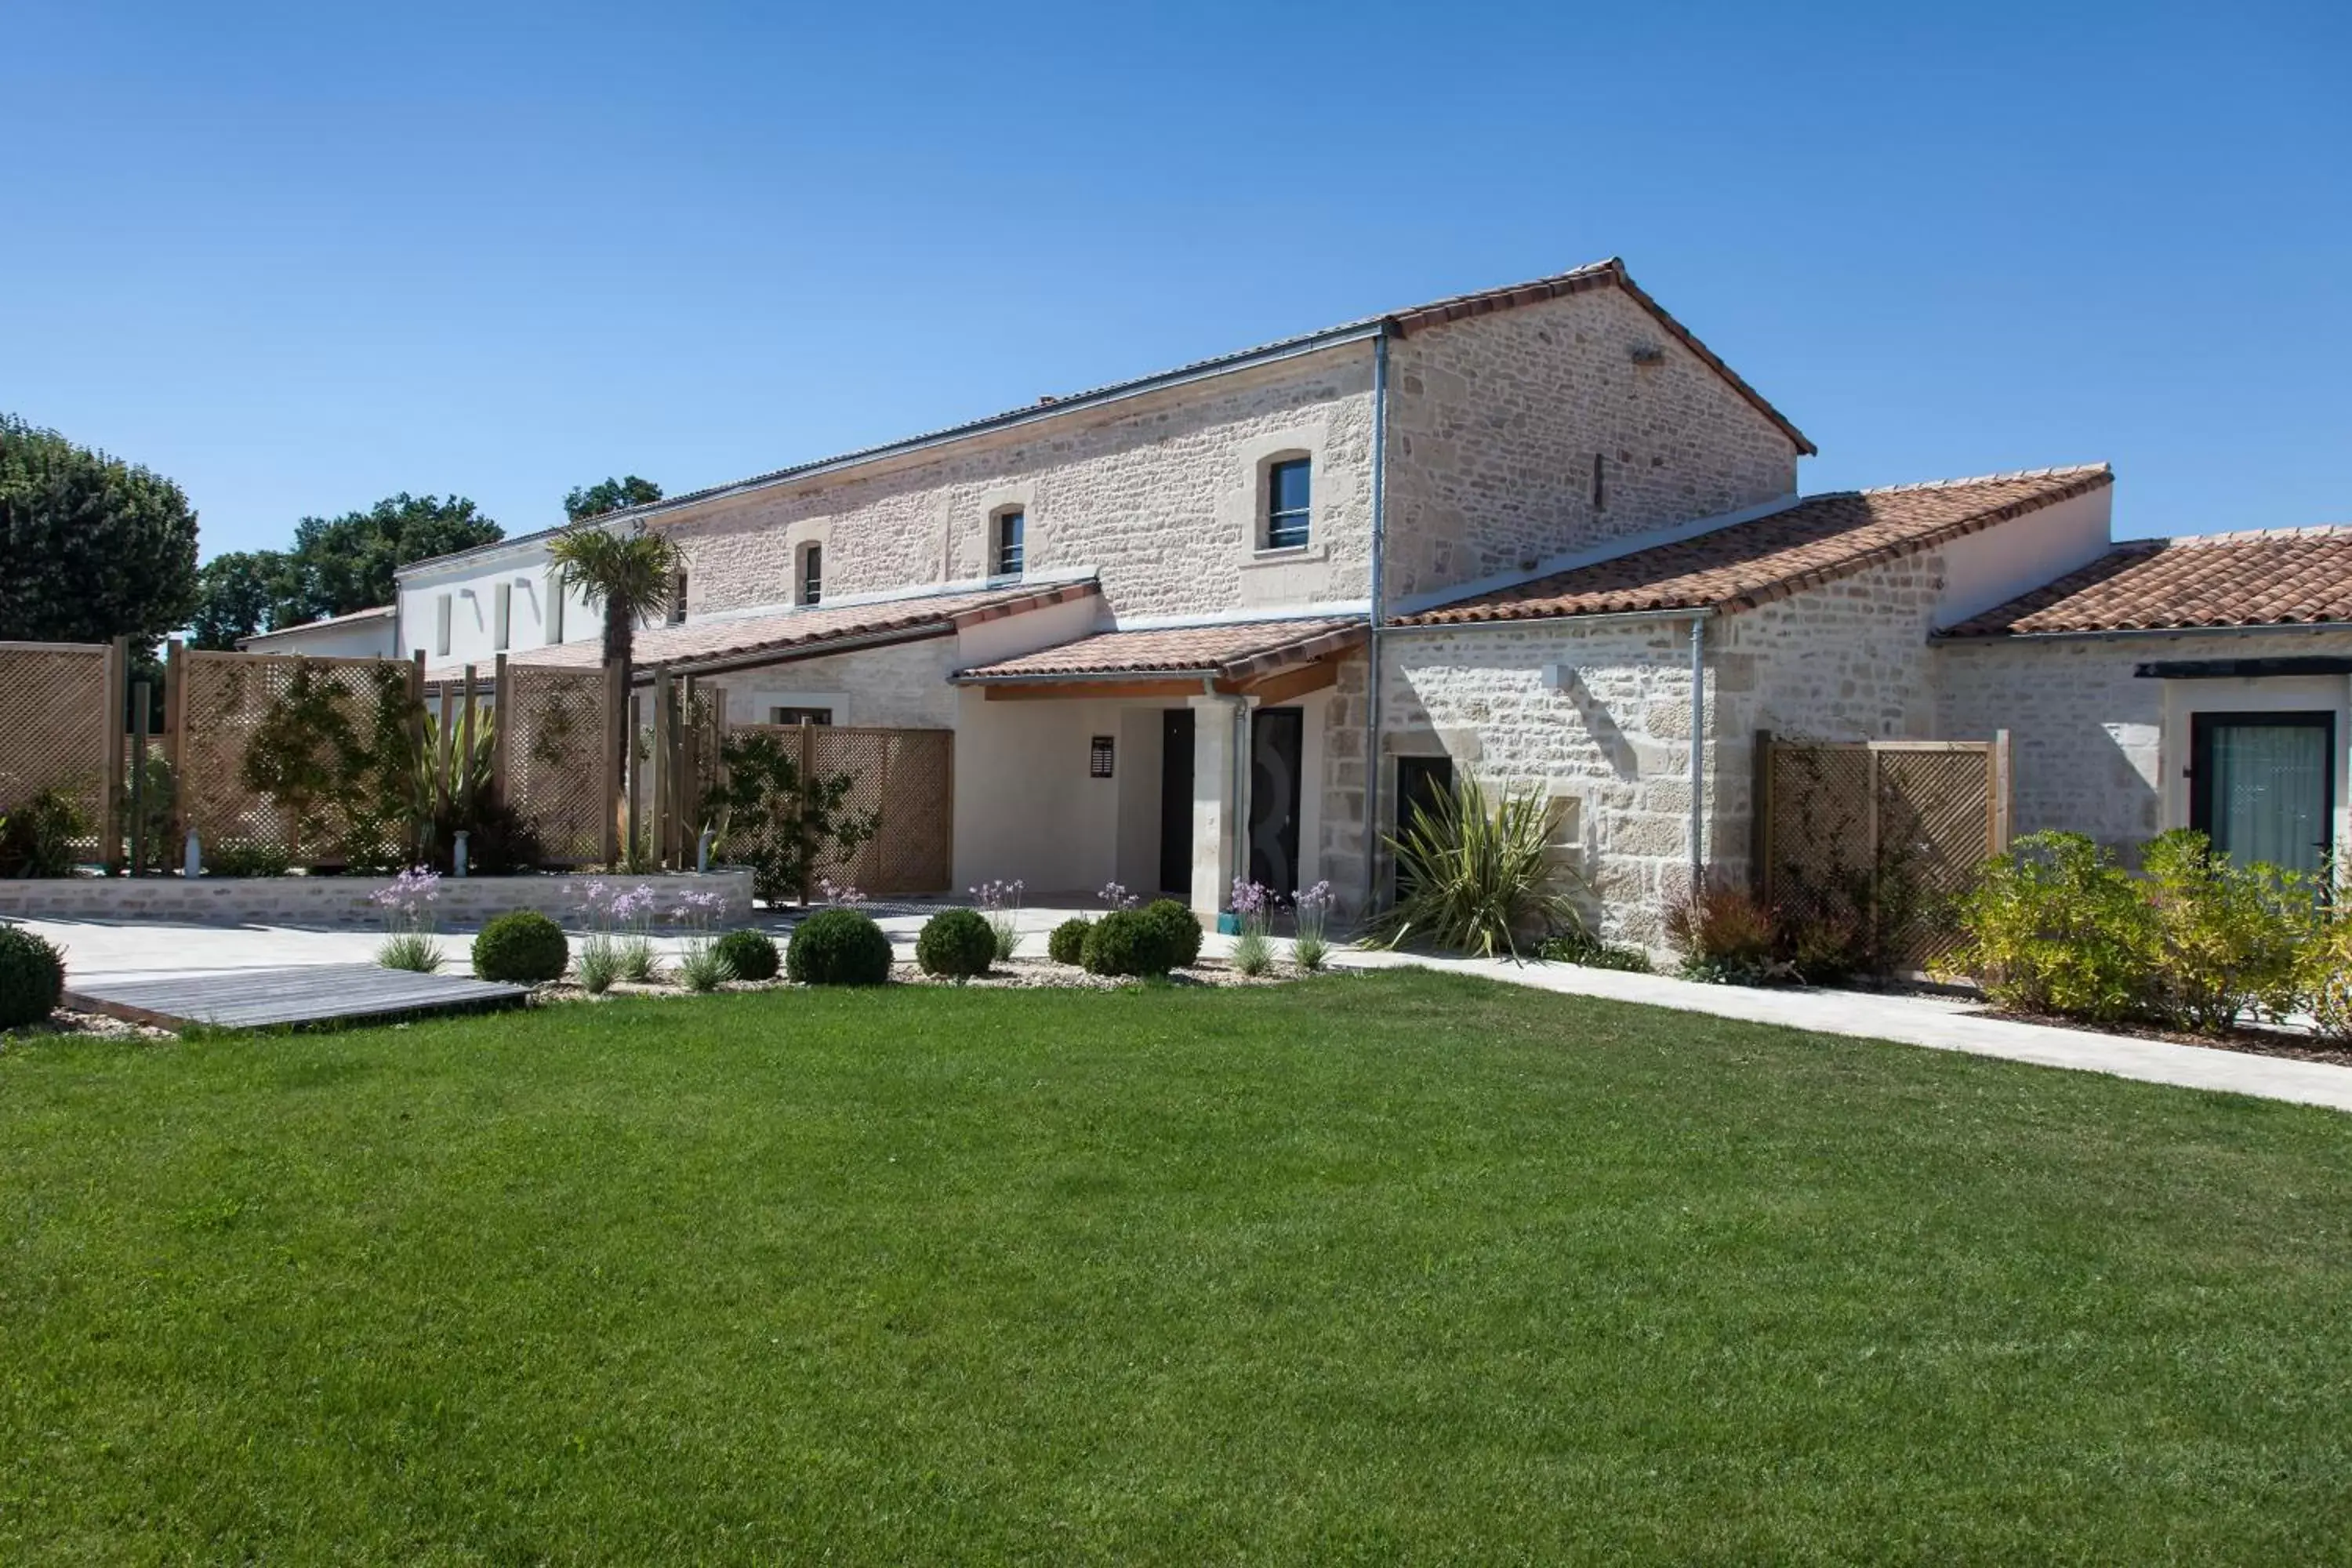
(554, 623)
(1289, 504)
(502, 616)
(678, 601)
(1010, 528)
(811, 573)
(444, 613)
(800, 715)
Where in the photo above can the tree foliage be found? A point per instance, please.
(90, 547)
(337, 566)
(609, 495)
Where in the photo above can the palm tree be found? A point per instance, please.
(632, 577)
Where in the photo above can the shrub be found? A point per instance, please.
(1580, 946)
(1179, 932)
(412, 950)
(521, 947)
(1129, 943)
(246, 860)
(1068, 942)
(2057, 926)
(600, 964)
(1725, 935)
(2324, 978)
(36, 839)
(959, 943)
(2227, 935)
(32, 977)
(750, 953)
(838, 947)
(702, 967)
(1474, 876)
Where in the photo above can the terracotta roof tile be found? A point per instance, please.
(2285, 577)
(797, 634)
(1232, 651)
(1817, 540)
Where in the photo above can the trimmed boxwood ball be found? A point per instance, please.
(1125, 942)
(521, 947)
(32, 977)
(1068, 942)
(750, 953)
(1178, 928)
(837, 947)
(956, 942)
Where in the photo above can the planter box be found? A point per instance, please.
(339, 902)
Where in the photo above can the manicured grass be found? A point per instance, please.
(1385, 1269)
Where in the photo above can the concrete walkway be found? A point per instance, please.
(1945, 1024)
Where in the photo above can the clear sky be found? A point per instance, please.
(301, 256)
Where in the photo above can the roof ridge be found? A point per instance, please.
(2068, 471)
(2242, 536)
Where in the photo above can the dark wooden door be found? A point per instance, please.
(1176, 803)
(1277, 747)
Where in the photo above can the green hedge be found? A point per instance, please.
(32, 977)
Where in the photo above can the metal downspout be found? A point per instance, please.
(1378, 614)
(1698, 751)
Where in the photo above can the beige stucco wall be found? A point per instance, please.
(1159, 491)
(1494, 422)
(2097, 750)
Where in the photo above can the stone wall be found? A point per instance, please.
(1494, 422)
(1597, 717)
(334, 902)
(2097, 750)
(901, 686)
(1159, 492)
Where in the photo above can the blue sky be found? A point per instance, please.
(300, 257)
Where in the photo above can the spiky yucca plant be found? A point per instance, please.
(1475, 875)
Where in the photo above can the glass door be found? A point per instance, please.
(2262, 786)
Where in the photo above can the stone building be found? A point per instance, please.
(1218, 621)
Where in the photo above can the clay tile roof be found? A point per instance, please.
(1236, 651)
(797, 634)
(2284, 577)
(1818, 540)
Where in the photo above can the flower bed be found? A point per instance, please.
(334, 902)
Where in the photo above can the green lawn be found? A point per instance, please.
(1387, 1269)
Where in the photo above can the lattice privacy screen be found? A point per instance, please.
(1884, 835)
(301, 711)
(55, 713)
(907, 776)
(555, 759)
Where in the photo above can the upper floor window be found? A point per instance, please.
(502, 616)
(1289, 502)
(811, 573)
(554, 621)
(444, 612)
(1005, 551)
(678, 601)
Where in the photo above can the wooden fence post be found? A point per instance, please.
(109, 807)
(1760, 819)
(2000, 782)
(417, 829)
(800, 814)
(465, 780)
(1870, 828)
(498, 728)
(690, 773)
(617, 713)
(664, 791)
(142, 701)
(176, 745)
(441, 746)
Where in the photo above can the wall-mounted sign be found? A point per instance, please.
(1098, 760)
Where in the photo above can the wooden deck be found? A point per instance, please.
(315, 993)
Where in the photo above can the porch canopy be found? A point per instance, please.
(1273, 661)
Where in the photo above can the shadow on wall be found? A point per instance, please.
(2085, 781)
(1602, 725)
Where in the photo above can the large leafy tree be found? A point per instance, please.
(338, 565)
(242, 592)
(609, 495)
(90, 547)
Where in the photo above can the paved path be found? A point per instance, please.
(1945, 1024)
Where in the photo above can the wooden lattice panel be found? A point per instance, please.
(555, 759)
(55, 715)
(907, 777)
(227, 700)
(1880, 838)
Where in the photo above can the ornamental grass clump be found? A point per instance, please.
(1312, 949)
(32, 977)
(521, 947)
(1475, 874)
(1000, 906)
(406, 903)
(956, 944)
(618, 945)
(1252, 905)
(701, 966)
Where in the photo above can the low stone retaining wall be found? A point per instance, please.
(341, 902)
